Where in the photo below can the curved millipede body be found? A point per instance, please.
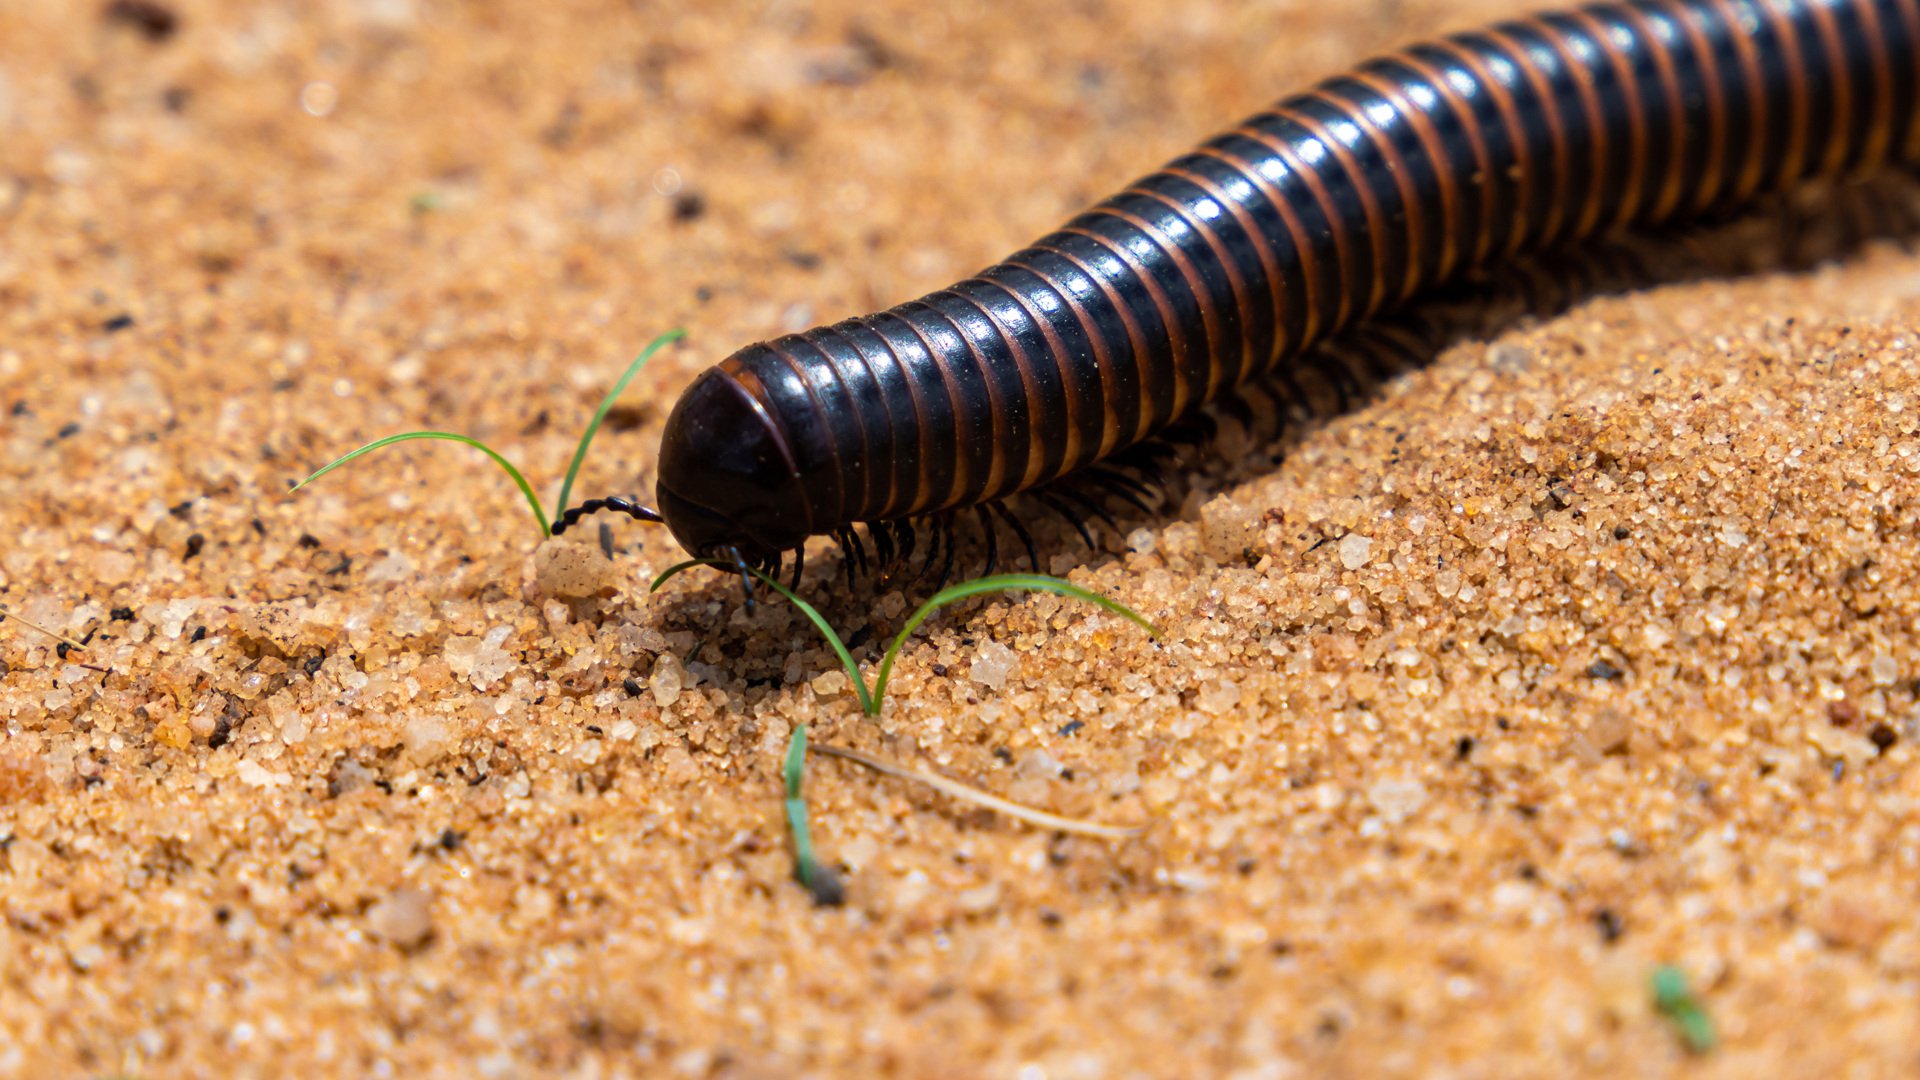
(1232, 261)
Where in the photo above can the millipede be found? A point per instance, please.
(1231, 263)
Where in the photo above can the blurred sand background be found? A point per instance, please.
(1588, 649)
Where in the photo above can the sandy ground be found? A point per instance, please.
(1588, 649)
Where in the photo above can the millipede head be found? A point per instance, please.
(728, 480)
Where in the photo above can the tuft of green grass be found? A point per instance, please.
(1676, 1001)
(825, 886)
(872, 699)
(821, 881)
(541, 520)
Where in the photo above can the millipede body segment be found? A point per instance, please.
(1230, 262)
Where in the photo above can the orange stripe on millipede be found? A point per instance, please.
(1598, 137)
(1377, 238)
(1235, 281)
(1303, 251)
(1196, 285)
(1136, 338)
(1269, 263)
(1176, 334)
(1036, 447)
(1627, 206)
(1840, 125)
(961, 477)
(1880, 131)
(1438, 158)
(1753, 165)
(1416, 224)
(839, 474)
(921, 426)
(1342, 255)
(1671, 186)
(1103, 357)
(996, 404)
(1520, 234)
(1482, 157)
(1070, 389)
(1556, 131)
(1793, 162)
(1910, 139)
(867, 445)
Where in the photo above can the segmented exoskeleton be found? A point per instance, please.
(1233, 261)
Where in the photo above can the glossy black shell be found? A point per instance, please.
(1231, 261)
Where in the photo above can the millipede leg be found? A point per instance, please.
(882, 548)
(846, 556)
(799, 564)
(1130, 483)
(858, 547)
(1121, 487)
(936, 537)
(1047, 500)
(907, 539)
(993, 538)
(1090, 506)
(1338, 379)
(746, 576)
(945, 526)
(1019, 530)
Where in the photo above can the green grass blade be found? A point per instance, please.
(679, 568)
(812, 613)
(833, 639)
(539, 512)
(1677, 1002)
(606, 406)
(997, 583)
(820, 881)
(804, 862)
(797, 766)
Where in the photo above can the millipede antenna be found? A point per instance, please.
(593, 506)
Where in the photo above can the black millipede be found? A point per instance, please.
(1229, 264)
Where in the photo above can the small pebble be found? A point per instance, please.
(992, 663)
(565, 568)
(667, 679)
(1355, 551)
(404, 918)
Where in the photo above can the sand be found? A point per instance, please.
(1586, 650)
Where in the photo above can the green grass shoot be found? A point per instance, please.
(822, 882)
(519, 479)
(526, 489)
(872, 699)
(996, 583)
(606, 406)
(1677, 1002)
